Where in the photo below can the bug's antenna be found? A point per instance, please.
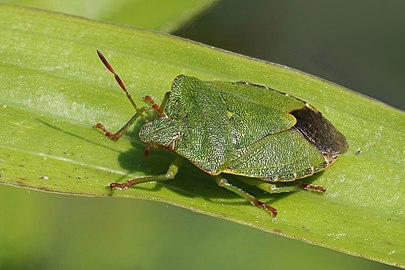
(118, 79)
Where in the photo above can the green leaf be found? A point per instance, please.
(160, 15)
(53, 89)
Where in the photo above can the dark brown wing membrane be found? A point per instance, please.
(319, 131)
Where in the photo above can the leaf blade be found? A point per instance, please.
(54, 89)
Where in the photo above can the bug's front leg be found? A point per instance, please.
(119, 133)
(159, 109)
(170, 174)
(222, 182)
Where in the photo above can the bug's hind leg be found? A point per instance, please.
(222, 182)
(170, 174)
(312, 187)
(273, 188)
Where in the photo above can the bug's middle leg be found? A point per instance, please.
(273, 188)
(222, 182)
(170, 174)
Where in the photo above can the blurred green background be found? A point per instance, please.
(358, 44)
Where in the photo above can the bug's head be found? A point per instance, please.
(162, 131)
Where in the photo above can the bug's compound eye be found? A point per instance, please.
(172, 144)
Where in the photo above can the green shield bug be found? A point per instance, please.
(261, 135)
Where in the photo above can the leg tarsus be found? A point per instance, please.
(312, 187)
(107, 133)
(222, 182)
(159, 109)
(267, 207)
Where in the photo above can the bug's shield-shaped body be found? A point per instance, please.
(257, 133)
(244, 129)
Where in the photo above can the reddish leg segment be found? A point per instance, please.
(152, 103)
(312, 187)
(222, 182)
(159, 109)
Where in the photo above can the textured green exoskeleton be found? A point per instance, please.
(260, 134)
